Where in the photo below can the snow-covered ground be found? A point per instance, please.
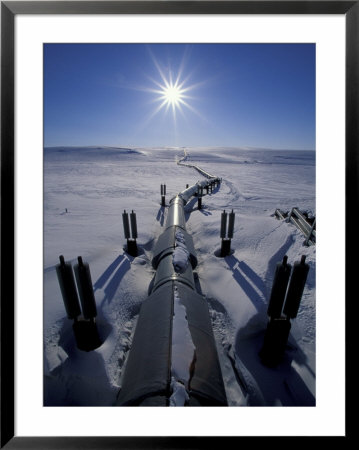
(86, 191)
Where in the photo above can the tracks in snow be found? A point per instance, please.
(233, 192)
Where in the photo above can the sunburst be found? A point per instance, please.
(173, 95)
(172, 92)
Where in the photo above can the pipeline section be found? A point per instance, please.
(199, 169)
(162, 368)
(308, 228)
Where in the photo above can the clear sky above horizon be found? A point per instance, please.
(142, 95)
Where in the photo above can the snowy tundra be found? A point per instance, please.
(86, 190)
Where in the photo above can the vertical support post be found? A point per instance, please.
(279, 288)
(133, 225)
(126, 225)
(231, 224)
(278, 328)
(199, 196)
(85, 330)
(226, 241)
(163, 195)
(84, 285)
(296, 288)
(131, 241)
(223, 225)
(275, 341)
(68, 289)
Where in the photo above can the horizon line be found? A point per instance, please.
(249, 148)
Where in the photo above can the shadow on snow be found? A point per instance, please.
(120, 266)
(249, 281)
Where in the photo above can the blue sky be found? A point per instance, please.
(256, 95)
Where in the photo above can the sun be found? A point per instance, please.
(172, 91)
(173, 95)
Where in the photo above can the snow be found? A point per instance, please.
(183, 353)
(179, 394)
(95, 185)
(180, 256)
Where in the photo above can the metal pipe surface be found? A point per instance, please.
(149, 375)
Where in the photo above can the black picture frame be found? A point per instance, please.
(9, 9)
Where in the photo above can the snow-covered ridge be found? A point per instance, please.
(90, 152)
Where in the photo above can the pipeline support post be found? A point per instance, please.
(85, 289)
(86, 332)
(68, 289)
(199, 196)
(296, 288)
(84, 328)
(275, 341)
(279, 288)
(131, 241)
(279, 325)
(226, 235)
(163, 195)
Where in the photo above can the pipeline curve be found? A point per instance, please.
(234, 194)
(181, 162)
